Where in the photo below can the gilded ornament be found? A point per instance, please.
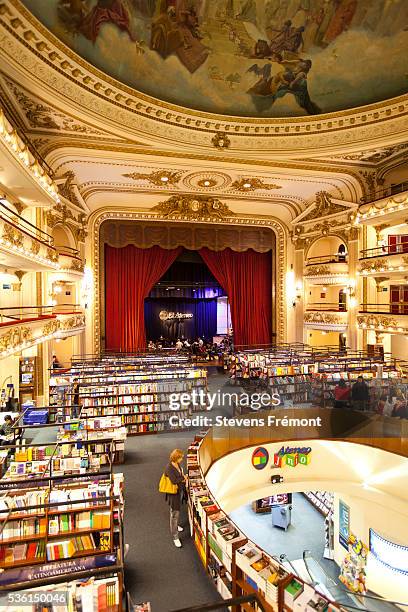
(51, 327)
(323, 207)
(160, 178)
(67, 189)
(12, 235)
(252, 184)
(322, 318)
(77, 265)
(221, 140)
(374, 265)
(193, 208)
(317, 270)
(52, 254)
(35, 246)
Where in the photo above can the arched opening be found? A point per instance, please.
(63, 239)
(328, 249)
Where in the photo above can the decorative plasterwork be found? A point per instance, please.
(221, 141)
(383, 323)
(323, 206)
(19, 150)
(16, 242)
(386, 205)
(69, 188)
(160, 178)
(317, 270)
(274, 224)
(327, 321)
(23, 336)
(373, 156)
(42, 116)
(252, 184)
(391, 264)
(31, 46)
(193, 208)
(62, 214)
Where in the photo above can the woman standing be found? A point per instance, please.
(175, 474)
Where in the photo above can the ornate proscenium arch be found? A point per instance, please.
(235, 231)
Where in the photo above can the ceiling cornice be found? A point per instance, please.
(31, 50)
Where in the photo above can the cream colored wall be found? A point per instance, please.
(318, 338)
(9, 372)
(399, 346)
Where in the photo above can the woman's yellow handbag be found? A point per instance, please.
(166, 486)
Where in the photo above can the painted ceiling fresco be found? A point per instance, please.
(268, 58)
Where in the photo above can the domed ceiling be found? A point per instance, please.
(254, 58)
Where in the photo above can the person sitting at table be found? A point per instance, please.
(6, 431)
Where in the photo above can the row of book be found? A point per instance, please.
(65, 549)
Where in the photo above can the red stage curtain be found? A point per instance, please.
(130, 274)
(247, 279)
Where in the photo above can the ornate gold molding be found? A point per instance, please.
(317, 270)
(193, 208)
(251, 184)
(323, 207)
(97, 218)
(160, 178)
(380, 322)
(15, 338)
(12, 235)
(323, 318)
(373, 265)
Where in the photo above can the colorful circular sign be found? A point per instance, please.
(260, 458)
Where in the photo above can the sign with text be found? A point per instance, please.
(291, 457)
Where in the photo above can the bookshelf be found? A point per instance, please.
(142, 402)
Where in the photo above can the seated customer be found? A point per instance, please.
(6, 431)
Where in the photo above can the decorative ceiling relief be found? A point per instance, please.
(207, 180)
(45, 117)
(194, 208)
(252, 184)
(322, 207)
(160, 178)
(374, 156)
(269, 58)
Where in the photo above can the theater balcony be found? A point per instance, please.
(71, 263)
(391, 259)
(325, 319)
(327, 269)
(22, 244)
(384, 318)
(390, 205)
(22, 327)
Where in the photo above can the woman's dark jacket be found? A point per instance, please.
(174, 499)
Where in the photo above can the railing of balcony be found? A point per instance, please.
(327, 306)
(327, 259)
(396, 308)
(385, 192)
(16, 314)
(17, 221)
(386, 249)
(67, 251)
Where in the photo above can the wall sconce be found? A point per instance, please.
(86, 287)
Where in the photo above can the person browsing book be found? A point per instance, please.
(174, 472)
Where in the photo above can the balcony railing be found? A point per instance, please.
(396, 308)
(327, 306)
(24, 314)
(386, 192)
(18, 222)
(387, 249)
(327, 259)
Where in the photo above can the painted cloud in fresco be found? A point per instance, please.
(270, 58)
